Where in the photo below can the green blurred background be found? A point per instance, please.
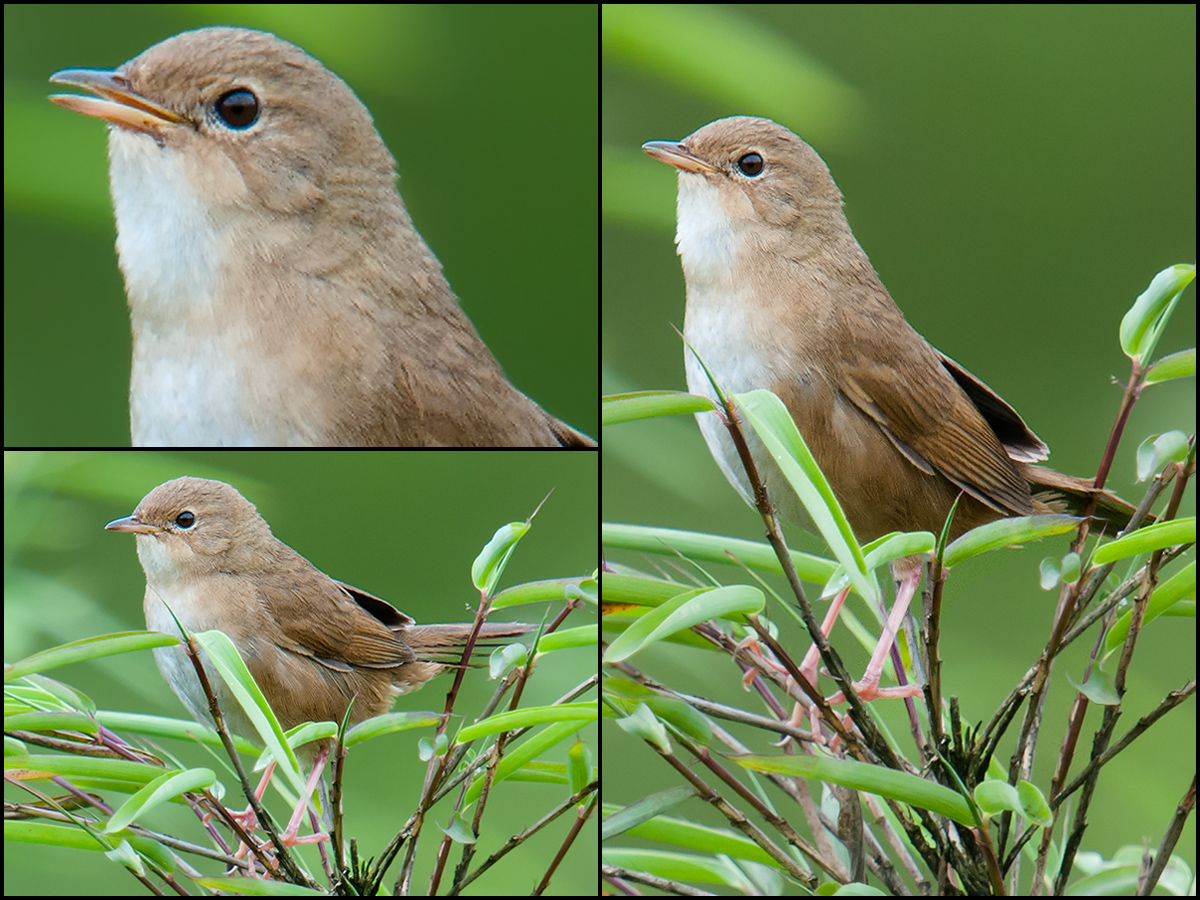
(1017, 175)
(404, 527)
(477, 104)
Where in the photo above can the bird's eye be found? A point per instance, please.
(750, 165)
(238, 109)
(185, 520)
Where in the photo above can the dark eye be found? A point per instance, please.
(750, 165)
(238, 109)
(185, 520)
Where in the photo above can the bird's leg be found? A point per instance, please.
(868, 688)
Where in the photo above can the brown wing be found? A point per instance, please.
(335, 624)
(936, 425)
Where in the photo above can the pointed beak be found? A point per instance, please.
(131, 524)
(675, 154)
(115, 101)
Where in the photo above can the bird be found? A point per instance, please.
(781, 296)
(318, 649)
(279, 293)
(316, 646)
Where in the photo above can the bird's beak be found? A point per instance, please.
(133, 525)
(115, 101)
